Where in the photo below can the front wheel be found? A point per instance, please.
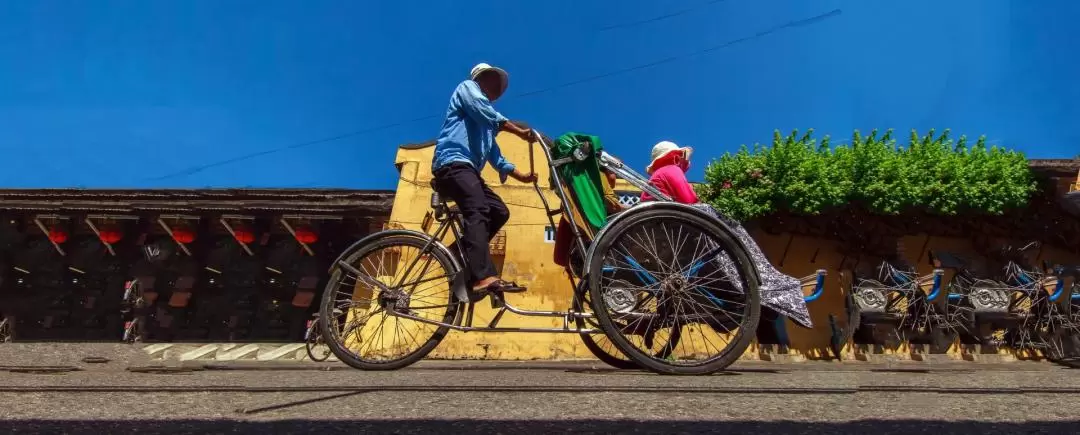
(677, 278)
(376, 327)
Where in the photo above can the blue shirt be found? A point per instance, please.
(468, 133)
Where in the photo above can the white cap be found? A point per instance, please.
(481, 67)
(664, 148)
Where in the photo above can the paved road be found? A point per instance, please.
(522, 398)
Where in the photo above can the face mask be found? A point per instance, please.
(683, 164)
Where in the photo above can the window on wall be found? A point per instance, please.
(549, 234)
(629, 199)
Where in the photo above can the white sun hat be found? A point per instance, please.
(482, 67)
(664, 148)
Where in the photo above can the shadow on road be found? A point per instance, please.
(877, 427)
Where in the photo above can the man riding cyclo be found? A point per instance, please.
(466, 143)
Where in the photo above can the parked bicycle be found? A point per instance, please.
(313, 341)
(5, 330)
(1028, 307)
(908, 305)
(652, 276)
(132, 303)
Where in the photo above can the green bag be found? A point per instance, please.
(583, 178)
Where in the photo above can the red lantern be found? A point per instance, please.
(306, 236)
(110, 236)
(183, 235)
(57, 235)
(244, 235)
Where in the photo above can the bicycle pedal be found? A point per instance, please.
(497, 300)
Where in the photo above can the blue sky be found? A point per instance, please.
(227, 93)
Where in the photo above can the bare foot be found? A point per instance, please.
(484, 283)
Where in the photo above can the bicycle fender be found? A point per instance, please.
(651, 205)
(459, 286)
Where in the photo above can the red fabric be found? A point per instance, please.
(564, 239)
(671, 180)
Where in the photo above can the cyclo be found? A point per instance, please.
(668, 285)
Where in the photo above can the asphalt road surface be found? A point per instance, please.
(534, 397)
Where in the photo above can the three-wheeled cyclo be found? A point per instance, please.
(661, 286)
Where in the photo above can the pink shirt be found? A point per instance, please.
(672, 181)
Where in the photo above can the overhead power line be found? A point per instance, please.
(658, 18)
(789, 25)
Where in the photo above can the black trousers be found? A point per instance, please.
(483, 214)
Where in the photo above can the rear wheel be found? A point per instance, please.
(597, 343)
(674, 278)
(365, 325)
(604, 350)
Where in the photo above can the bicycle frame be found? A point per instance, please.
(449, 223)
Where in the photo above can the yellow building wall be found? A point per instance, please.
(528, 261)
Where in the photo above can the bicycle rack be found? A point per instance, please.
(896, 299)
(1026, 306)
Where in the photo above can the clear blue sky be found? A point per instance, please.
(138, 93)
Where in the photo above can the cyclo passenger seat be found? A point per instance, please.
(576, 158)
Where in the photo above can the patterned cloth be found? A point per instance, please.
(779, 291)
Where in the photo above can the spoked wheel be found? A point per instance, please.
(842, 330)
(314, 343)
(602, 347)
(5, 330)
(676, 278)
(1063, 347)
(364, 324)
(598, 344)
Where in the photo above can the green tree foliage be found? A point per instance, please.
(801, 175)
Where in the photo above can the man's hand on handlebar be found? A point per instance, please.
(526, 134)
(523, 177)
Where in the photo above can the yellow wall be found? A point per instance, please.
(528, 260)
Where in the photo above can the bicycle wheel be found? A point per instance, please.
(312, 343)
(843, 330)
(356, 318)
(675, 272)
(5, 333)
(597, 343)
(604, 350)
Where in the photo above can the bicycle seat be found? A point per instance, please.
(437, 201)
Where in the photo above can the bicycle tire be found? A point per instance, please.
(854, 320)
(374, 242)
(614, 359)
(708, 225)
(313, 339)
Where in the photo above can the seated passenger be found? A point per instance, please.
(779, 291)
(667, 172)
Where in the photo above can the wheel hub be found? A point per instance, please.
(675, 284)
(395, 299)
(620, 299)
